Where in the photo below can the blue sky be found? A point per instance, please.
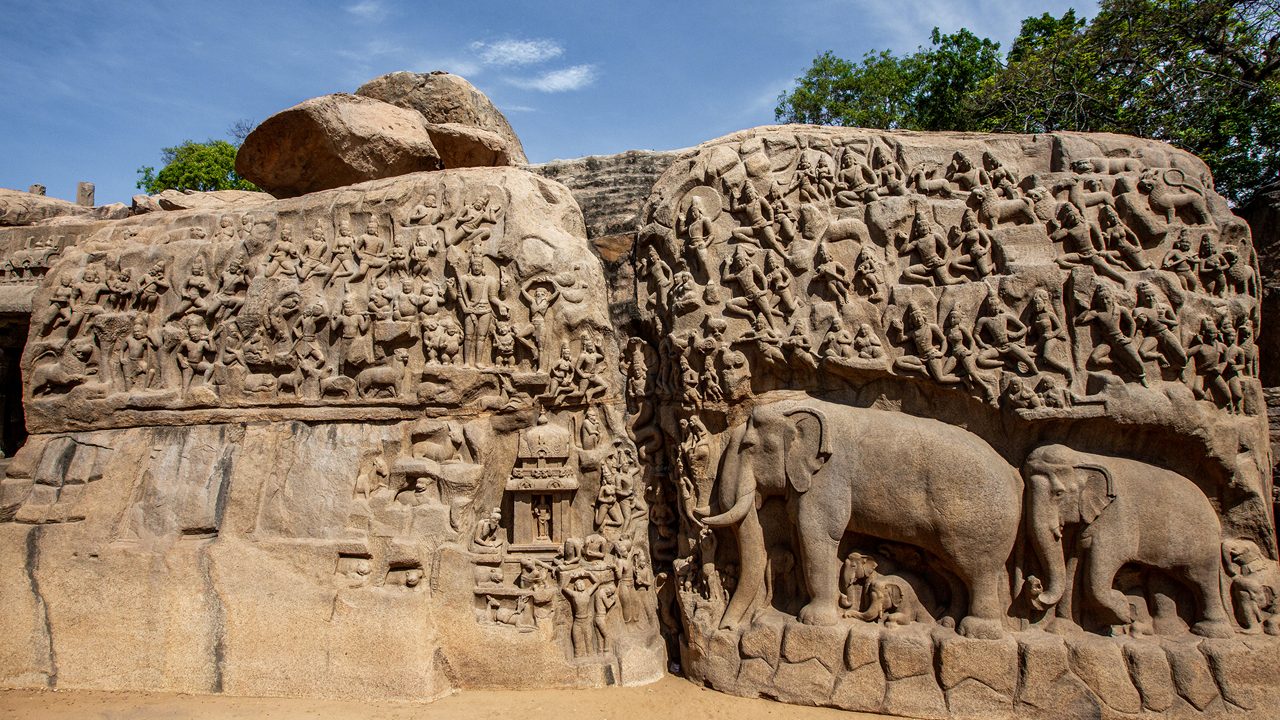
(95, 89)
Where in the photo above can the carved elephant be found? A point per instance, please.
(884, 474)
(1129, 512)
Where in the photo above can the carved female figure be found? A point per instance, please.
(1212, 267)
(960, 346)
(866, 275)
(1180, 262)
(1050, 335)
(927, 242)
(834, 274)
(780, 281)
(976, 243)
(1120, 240)
(1082, 242)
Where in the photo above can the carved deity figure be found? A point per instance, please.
(478, 297)
(926, 350)
(1116, 325)
(929, 245)
(1000, 334)
(1050, 337)
(968, 360)
(1181, 262)
(740, 269)
(1158, 324)
(1082, 244)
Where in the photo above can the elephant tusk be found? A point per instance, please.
(1057, 533)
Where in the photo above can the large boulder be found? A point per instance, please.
(443, 99)
(18, 208)
(195, 200)
(334, 140)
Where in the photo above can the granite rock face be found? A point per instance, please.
(19, 208)
(925, 397)
(445, 99)
(334, 140)
(168, 200)
(369, 442)
(933, 425)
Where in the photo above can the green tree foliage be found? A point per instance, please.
(1201, 74)
(926, 90)
(195, 166)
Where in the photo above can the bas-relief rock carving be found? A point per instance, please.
(397, 408)
(996, 395)
(931, 425)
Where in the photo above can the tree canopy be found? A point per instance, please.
(1203, 75)
(209, 165)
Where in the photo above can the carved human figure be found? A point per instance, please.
(798, 344)
(856, 182)
(838, 343)
(194, 290)
(780, 282)
(1000, 335)
(1211, 266)
(342, 261)
(926, 350)
(561, 385)
(589, 370)
(194, 352)
(768, 342)
(1208, 355)
(282, 260)
(968, 360)
(608, 509)
(1158, 324)
(697, 230)
(1120, 240)
(833, 274)
(867, 278)
(488, 535)
(1049, 335)
(1082, 244)
(137, 353)
(226, 231)
(579, 591)
(740, 269)
(1233, 367)
(151, 286)
(1116, 326)
(659, 277)
(758, 213)
(540, 297)
(478, 298)
(351, 328)
(476, 221)
(120, 289)
(1181, 262)
(867, 344)
(976, 245)
(929, 245)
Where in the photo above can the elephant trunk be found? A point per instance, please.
(1046, 538)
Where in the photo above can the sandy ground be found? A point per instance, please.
(668, 699)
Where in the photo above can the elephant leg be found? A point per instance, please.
(819, 547)
(1099, 573)
(986, 608)
(1213, 617)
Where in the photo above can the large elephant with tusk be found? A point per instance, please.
(883, 474)
(1126, 512)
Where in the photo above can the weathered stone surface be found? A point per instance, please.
(332, 141)
(1262, 212)
(763, 639)
(917, 696)
(1047, 688)
(323, 432)
(442, 98)
(906, 654)
(463, 146)
(1191, 676)
(809, 642)
(1151, 674)
(611, 190)
(809, 681)
(860, 690)
(1101, 665)
(193, 200)
(19, 208)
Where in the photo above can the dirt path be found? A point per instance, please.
(669, 699)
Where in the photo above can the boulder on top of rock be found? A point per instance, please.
(195, 200)
(25, 208)
(442, 98)
(335, 140)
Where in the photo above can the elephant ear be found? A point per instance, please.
(895, 595)
(807, 449)
(1097, 492)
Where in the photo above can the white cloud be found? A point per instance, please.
(517, 52)
(518, 109)
(367, 9)
(570, 78)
